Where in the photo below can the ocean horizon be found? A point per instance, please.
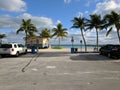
(76, 46)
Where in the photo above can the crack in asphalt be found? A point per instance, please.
(34, 58)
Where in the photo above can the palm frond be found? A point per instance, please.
(19, 30)
(109, 31)
(2, 36)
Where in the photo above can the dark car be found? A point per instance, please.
(110, 51)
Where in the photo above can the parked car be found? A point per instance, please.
(12, 49)
(110, 50)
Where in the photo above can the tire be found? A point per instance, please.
(100, 53)
(17, 54)
(117, 57)
(25, 51)
(0, 56)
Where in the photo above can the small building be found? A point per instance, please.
(37, 42)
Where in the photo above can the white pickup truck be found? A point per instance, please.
(12, 49)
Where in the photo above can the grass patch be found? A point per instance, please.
(57, 47)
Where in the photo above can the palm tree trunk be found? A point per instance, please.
(118, 35)
(25, 38)
(59, 41)
(84, 40)
(97, 39)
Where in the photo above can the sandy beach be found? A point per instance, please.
(63, 50)
(55, 50)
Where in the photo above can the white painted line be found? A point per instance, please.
(34, 69)
(50, 67)
(98, 72)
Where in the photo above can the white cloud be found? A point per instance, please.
(67, 1)
(86, 12)
(11, 24)
(7, 21)
(13, 37)
(39, 21)
(91, 37)
(13, 5)
(79, 14)
(88, 3)
(104, 8)
(107, 6)
(58, 21)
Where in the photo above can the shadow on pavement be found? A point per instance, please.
(77, 57)
(48, 54)
(41, 54)
(90, 57)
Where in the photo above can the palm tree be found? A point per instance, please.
(45, 33)
(60, 32)
(31, 34)
(97, 23)
(1, 37)
(28, 28)
(113, 19)
(79, 22)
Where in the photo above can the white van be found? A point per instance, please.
(12, 49)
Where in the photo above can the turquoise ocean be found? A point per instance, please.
(91, 47)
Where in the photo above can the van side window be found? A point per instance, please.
(15, 46)
(6, 46)
(20, 45)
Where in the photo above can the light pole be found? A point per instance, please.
(72, 41)
(81, 44)
(0, 41)
(37, 42)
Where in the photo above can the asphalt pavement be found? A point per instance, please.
(59, 71)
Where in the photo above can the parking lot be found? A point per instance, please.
(59, 71)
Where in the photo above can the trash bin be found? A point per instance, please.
(76, 50)
(33, 50)
(72, 50)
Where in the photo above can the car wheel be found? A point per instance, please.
(17, 54)
(25, 51)
(100, 53)
(0, 56)
(117, 57)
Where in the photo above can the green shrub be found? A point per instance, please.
(57, 47)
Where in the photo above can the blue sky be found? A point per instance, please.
(48, 13)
